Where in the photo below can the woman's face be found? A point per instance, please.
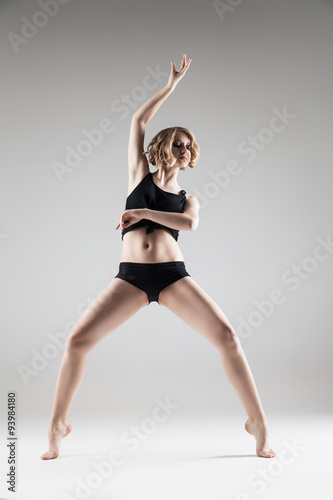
(181, 149)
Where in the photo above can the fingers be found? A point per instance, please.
(122, 224)
(175, 75)
(188, 62)
(184, 64)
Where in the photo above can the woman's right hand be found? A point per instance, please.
(176, 76)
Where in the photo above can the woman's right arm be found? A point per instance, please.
(149, 108)
(137, 161)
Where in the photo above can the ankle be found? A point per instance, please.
(57, 424)
(258, 420)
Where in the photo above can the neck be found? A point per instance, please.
(166, 175)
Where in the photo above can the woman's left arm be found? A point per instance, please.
(185, 221)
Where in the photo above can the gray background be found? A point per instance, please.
(59, 247)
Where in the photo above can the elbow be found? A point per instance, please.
(139, 118)
(194, 224)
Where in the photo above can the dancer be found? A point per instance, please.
(152, 268)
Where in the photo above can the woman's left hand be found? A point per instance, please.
(130, 217)
(176, 76)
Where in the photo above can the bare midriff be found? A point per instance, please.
(158, 246)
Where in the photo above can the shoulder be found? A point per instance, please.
(192, 201)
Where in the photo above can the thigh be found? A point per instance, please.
(112, 307)
(195, 307)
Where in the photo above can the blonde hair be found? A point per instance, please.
(156, 149)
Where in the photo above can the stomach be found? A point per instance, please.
(158, 246)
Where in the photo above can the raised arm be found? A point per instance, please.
(137, 161)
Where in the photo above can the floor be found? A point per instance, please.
(170, 456)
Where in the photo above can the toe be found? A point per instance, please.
(49, 455)
(265, 453)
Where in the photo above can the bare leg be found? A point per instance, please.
(194, 306)
(115, 305)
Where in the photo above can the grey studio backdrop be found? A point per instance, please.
(258, 98)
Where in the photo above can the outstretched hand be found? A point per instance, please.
(176, 76)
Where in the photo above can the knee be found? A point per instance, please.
(75, 344)
(228, 339)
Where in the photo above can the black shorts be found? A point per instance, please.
(152, 278)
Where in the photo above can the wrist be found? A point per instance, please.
(145, 212)
(170, 87)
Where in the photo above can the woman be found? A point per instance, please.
(152, 268)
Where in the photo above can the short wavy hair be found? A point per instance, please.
(156, 149)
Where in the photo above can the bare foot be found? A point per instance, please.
(55, 436)
(260, 431)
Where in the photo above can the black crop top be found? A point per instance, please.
(148, 195)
